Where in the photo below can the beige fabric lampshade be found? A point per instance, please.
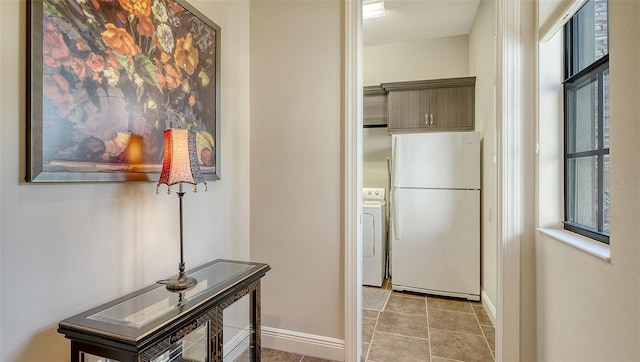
(180, 163)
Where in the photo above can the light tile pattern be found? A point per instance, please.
(415, 328)
(272, 355)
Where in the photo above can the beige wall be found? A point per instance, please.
(376, 149)
(65, 248)
(425, 59)
(296, 158)
(526, 152)
(482, 65)
(587, 307)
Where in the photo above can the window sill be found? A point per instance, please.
(580, 242)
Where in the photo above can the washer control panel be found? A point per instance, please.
(373, 193)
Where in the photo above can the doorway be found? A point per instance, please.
(509, 105)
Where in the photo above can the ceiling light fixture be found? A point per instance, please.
(373, 10)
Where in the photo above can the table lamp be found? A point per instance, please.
(180, 165)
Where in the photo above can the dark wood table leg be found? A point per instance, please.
(256, 341)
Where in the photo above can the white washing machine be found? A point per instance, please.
(374, 236)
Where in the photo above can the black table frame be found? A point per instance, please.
(129, 345)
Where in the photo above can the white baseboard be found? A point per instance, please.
(488, 307)
(303, 343)
(237, 344)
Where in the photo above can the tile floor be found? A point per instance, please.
(414, 328)
(272, 355)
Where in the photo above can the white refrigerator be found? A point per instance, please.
(435, 213)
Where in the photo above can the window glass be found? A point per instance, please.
(584, 106)
(583, 173)
(591, 34)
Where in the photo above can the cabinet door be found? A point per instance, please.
(238, 333)
(374, 109)
(192, 347)
(408, 109)
(452, 108)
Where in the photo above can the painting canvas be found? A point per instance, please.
(107, 77)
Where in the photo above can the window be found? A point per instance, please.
(586, 122)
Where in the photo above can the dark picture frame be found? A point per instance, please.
(105, 78)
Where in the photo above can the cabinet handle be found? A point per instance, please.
(431, 120)
(426, 120)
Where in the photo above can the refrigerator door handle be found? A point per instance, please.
(396, 218)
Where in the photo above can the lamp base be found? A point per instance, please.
(181, 282)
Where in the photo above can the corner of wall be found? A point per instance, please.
(489, 306)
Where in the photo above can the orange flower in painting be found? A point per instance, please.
(173, 77)
(113, 61)
(164, 57)
(145, 26)
(122, 16)
(159, 73)
(137, 7)
(55, 51)
(192, 100)
(161, 79)
(120, 40)
(186, 55)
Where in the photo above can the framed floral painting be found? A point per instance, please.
(107, 77)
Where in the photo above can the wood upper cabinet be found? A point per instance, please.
(432, 105)
(374, 104)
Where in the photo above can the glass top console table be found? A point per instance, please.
(217, 320)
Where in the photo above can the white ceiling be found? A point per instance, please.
(411, 20)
